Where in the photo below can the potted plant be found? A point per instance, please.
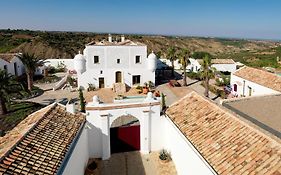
(150, 85)
(92, 168)
(164, 156)
(145, 88)
(139, 89)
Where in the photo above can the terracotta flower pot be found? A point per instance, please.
(145, 90)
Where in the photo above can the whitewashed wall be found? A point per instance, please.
(186, 159)
(10, 66)
(77, 163)
(69, 63)
(256, 88)
(193, 66)
(97, 132)
(107, 66)
(225, 67)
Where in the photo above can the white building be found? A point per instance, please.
(67, 63)
(14, 66)
(107, 62)
(222, 65)
(11, 64)
(201, 137)
(248, 81)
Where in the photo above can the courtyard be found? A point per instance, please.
(133, 163)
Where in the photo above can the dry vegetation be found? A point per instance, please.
(67, 44)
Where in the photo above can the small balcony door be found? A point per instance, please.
(118, 77)
(101, 82)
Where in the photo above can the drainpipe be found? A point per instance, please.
(243, 88)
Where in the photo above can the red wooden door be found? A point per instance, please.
(124, 139)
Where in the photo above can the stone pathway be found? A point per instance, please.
(197, 87)
(173, 94)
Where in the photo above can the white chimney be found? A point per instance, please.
(70, 107)
(109, 38)
(122, 38)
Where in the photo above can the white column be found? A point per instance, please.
(145, 133)
(105, 137)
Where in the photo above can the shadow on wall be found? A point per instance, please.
(94, 141)
(120, 162)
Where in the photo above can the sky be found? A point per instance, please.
(259, 19)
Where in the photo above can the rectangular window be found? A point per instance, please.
(136, 79)
(96, 59)
(118, 61)
(101, 72)
(138, 59)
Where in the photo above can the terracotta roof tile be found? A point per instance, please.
(7, 56)
(230, 145)
(42, 149)
(261, 77)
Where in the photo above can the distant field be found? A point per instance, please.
(67, 44)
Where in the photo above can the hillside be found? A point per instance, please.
(67, 44)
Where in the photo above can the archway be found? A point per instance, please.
(125, 134)
(118, 77)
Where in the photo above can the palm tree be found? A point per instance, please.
(171, 55)
(8, 84)
(207, 73)
(183, 59)
(31, 63)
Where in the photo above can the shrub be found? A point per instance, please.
(194, 75)
(82, 100)
(91, 87)
(164, 155)
(163, 101)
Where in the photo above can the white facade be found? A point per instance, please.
(14, 67)
(100, 122)
(108, 64)
(68, 63)
(194, 65)
(78, 160)
(225, 67)
(242, 87)
(156, 133)
(186, 158)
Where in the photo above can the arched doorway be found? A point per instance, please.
(125, 134)
(118, 77)
(235, 87)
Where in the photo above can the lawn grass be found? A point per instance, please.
(17, 112)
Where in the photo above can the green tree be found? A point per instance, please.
(171, 55)
(30, 63)
(207, 73)
(8, 85)
(163, 101)
(200, 55)
(184, 55)
(82, 101)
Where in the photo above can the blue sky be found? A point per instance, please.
(222, 18)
